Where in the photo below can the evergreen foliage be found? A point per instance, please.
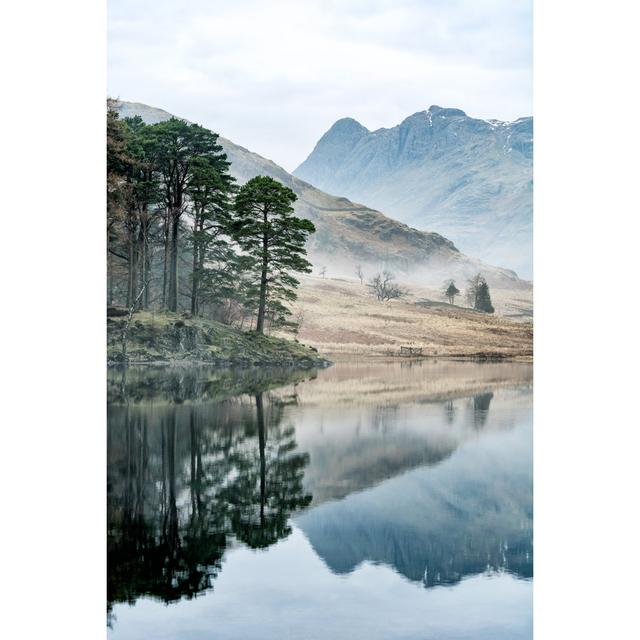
(182, 237)
(483, 300)
(450, 291)
(478, 295)
(266, 229)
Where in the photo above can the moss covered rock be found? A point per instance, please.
(172, 337)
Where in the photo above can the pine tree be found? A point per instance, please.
(266, 229)
(176, 146)
(450, 291)
(143, 210)
(209, 190)
(478, 295)
(483, 298)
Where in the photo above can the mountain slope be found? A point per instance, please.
(349, 233)
(469, 179)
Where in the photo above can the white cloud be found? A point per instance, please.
(273, 75)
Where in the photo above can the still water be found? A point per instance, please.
(368, 500)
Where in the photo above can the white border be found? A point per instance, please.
(586, 238)
(53, 454)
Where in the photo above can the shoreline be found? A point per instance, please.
(323, 362)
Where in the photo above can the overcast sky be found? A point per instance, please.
(274, 75)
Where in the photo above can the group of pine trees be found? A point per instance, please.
(477, 294)
(183, 237)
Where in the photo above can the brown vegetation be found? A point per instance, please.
(342, 317)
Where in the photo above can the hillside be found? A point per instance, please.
(349, 233)
(470, 179)
(341, 317)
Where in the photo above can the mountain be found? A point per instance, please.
(348, 233)
(469, 179)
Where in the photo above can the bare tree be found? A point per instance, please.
(298, 320)
(473, 286)
(127, 324)
(360, 273)
(323, 271)
(384, 287)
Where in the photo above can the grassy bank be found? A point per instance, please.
(178, 338)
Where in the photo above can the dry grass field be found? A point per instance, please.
(341, 317)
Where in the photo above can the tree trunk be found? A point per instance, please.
(201, 251)
(165, 265)
(109, 276)
(130, 270)
(195, 276)
(127, 324)
(173, 264)
(144, 260)
(263, 280)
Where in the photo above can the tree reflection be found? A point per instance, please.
(449, 411)
(184, 478)
(481, 405)
(268, 486)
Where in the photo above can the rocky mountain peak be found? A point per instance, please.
(347, 126)
(467, 178)
(435, 110)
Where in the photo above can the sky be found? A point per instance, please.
(274, 75)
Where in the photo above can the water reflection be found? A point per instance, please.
(467, 515)
(187, 480)
(481, 405)
(398, 466)
(267, 484)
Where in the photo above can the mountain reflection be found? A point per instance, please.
(200, 461)
(470, 513)
(185, 480)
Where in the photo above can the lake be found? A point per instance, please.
(372, 499)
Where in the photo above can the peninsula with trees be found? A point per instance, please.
(172, 204)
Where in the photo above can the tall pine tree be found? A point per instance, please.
(210, 192)
(177, 146)
(266, 229)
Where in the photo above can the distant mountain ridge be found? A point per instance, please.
(469, 179)
(348, 233)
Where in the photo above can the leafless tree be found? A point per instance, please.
(360, 273)
(384, 287)
(298, 320)
(323, 271)
(127, 324)
(473, 286)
